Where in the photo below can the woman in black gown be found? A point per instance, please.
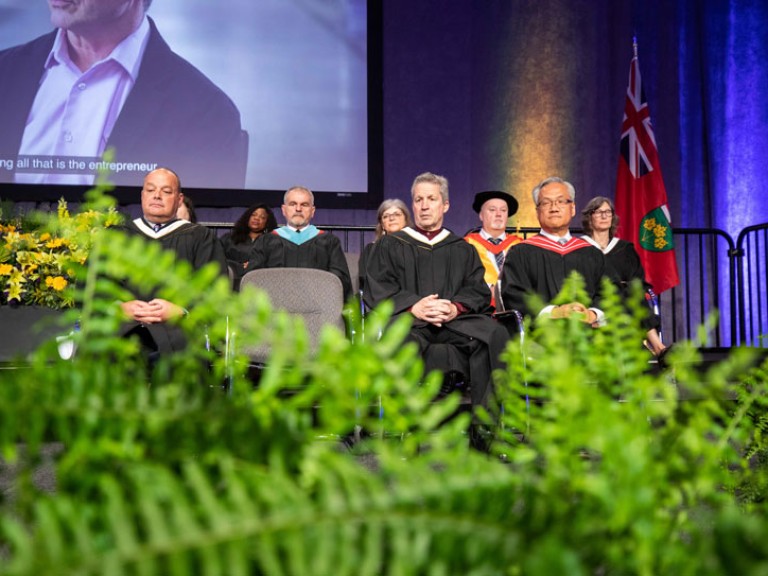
(622, 264)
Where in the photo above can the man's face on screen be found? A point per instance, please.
(84, 15)
(298, 209)
(160, 196)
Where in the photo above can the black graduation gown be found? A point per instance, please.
(237, 253)
(623, 266)
(362, 264)
(540, 266)
(405, 268)
(194, 243)
(323, 252)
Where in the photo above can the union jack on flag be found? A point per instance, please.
(641, 198)
(637, 138)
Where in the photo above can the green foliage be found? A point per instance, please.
(185, 467)
(624, 470)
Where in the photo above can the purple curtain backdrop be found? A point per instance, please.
(500, 94)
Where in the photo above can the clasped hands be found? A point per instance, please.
(434, 310)
(152, 312)
(574, 308)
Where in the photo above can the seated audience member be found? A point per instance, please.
(186, 210)
(160, 200)
(252, 224)
(492, 242)
(541, 263)
(392, 215)
(622, 264)
(433, 275)
(299, 244)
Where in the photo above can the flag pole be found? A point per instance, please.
(634, 45)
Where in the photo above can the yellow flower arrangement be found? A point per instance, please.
(37, 266)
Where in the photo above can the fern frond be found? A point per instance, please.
(241, 519)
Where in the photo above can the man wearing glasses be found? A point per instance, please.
(540, 264)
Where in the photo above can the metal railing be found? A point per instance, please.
(707, 289)
(752, 284)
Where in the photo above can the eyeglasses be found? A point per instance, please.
(603, 213)
(559, 203)
(392, 215)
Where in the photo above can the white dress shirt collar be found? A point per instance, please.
(555, 238)
(128, 53)
(485, 236)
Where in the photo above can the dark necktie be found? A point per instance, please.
(500, 256)
(156, 227)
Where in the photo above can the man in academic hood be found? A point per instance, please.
(300, 244)
(149, 315)
(540, 264)
(492, 242)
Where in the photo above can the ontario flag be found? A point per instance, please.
(641, 199)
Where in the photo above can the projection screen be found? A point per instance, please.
(242, 98)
